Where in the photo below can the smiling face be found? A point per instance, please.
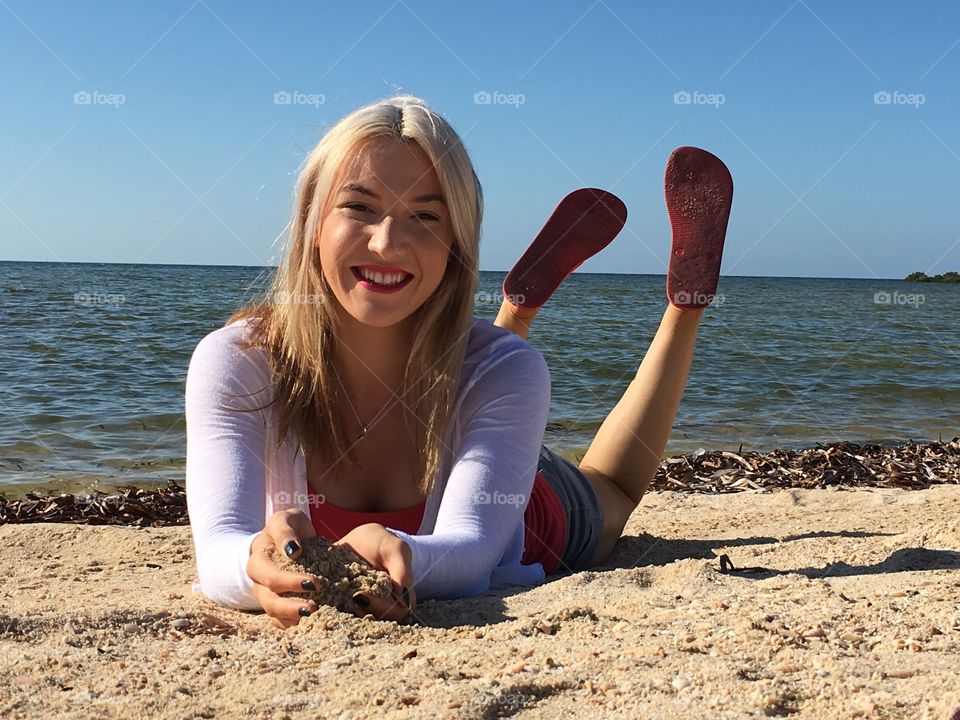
(386, 237)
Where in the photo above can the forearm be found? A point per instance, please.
(448, 566)
(222, 568)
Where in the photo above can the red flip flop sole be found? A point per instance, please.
(699, 193)
(584, 223)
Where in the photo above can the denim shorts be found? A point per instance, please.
(582, 508)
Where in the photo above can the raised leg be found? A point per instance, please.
(623, 458)
(515, 319)
(626, 451)
(581, 225)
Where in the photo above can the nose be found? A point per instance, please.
(385, 239)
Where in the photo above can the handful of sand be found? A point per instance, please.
(341, 572)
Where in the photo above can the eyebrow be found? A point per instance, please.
(358, 188)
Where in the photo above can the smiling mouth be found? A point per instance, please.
(380, 280)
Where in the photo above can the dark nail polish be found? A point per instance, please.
(361, 600)
(308, 585)
(406, 596)
(291, 547)
(304, 611)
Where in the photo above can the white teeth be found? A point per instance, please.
(381, 279)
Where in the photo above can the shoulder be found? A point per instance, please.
(227, 343)
(227, 356)
(493, 351)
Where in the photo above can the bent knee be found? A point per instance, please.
(617, 506)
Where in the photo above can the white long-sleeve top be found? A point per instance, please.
(468, 542)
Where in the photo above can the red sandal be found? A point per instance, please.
(699, 192)
(584, 223)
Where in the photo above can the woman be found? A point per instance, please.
(362, 401)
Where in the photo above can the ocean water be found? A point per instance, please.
(94, 356)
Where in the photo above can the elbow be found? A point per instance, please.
(440, 588)
(458, 592)
(228, 595)
(222, 572)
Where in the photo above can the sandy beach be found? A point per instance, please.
(841, 604)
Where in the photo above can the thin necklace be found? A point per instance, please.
(363, 427)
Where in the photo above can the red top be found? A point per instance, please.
(334, 522)
(544, 519)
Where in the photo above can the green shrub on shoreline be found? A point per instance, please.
(948, 277)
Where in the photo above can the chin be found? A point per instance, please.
(379, 323)
(379, 319)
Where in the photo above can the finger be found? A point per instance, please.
(398, 563)
(262, 569)
(401, 594)
(280, 624)
(390, 608)
(301, 524)
(288, 529)
(396, 606)
(284, 612)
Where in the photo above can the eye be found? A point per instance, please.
(359, 207)
(428, 216)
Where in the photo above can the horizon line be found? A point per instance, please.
(264, 267)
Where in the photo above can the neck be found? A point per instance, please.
(371, 360)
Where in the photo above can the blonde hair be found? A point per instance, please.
(299, 335)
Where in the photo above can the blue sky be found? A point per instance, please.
(175, 150)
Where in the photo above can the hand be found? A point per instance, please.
(269, 581)
(384, 551)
